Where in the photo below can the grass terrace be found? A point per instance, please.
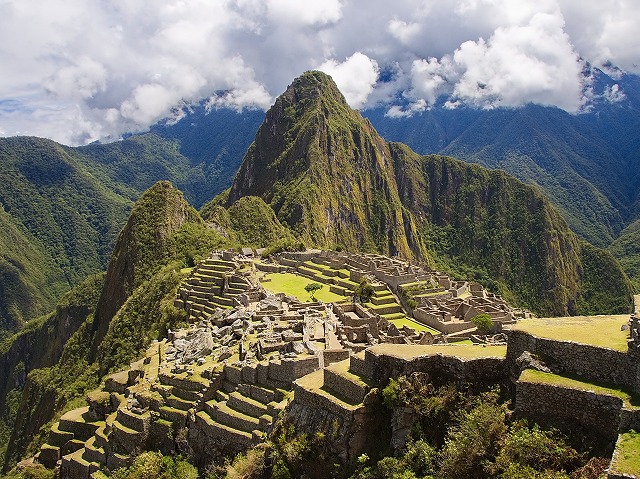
(464, 351)
(410, 323)
(601, 331)
(627, 456)
(533, 376)
(293, 285)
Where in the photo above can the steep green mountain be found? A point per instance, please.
(492, 222)
(141, 248)
(577, 170)
(40, 345)
(58, 226)
(586, 163)
(565, 158)
(626, 248)
(334, 181)
(199, 154)
(29, 281)
(251, 221)
(326, 173)
(108, 325)
(61, 208)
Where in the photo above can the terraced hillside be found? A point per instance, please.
(213, 284)
(225, 383)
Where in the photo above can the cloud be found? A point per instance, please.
(305, 13)
(355, 77)
(80, 70)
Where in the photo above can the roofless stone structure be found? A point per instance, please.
(251, 358)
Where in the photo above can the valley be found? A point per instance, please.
(338, 273)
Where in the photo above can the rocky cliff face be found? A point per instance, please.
(326, 173)
(142, 245)
(161, 233)
(40, 345)
(335, 182)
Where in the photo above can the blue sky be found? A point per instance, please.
(81, 70)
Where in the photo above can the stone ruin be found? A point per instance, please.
(217, 387)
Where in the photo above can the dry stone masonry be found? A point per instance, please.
(251, 358)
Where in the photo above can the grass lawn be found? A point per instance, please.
(465, 351)
(410, 323)
(627, 456)
(533, 376)
(603, 331)
(293, 285)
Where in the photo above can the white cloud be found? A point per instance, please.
(79, 70)
(404, 31)
(519, 64)
(355, 77)
(307, 13)
(613, 94)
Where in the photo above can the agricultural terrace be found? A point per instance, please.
(410, 323)
(601, 331)
(533, 376)
(626, 459)
(293, 285)
(464, 351)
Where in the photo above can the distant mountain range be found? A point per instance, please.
(60, 223)
(317, 173)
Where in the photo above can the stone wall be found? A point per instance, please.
(448, 327)
(272, 267)
(591, 363)
(478, 372)
(565, 408)
(288, 370)
(331, 356)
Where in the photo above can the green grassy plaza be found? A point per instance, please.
(533, 376)
(627, 457)
(601, 331)
(293, 285)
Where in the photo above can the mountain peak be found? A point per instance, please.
(141, 247)
(326, 173)
(312, 85)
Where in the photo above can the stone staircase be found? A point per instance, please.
(241, 412)
(344, 383)
(68, 436)
(213, 284)
(384, 303)
(104, 433)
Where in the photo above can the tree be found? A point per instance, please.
(311, 288)
(364, 291)
(483, 322)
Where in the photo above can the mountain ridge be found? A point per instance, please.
(303, 157)
(486, 223)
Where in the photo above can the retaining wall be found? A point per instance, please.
(593, 364)
(549, 404)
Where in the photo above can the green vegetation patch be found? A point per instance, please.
(410, 323)
(627, 456)
(602, 331)
(533, 376)
(464, 351)
(294, 285)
